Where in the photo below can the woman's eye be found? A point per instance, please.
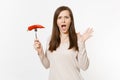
(66, 17)
(59, 17)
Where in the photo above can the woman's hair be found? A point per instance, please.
(55, 38)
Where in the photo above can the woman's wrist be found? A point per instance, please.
(40, 54)
(40, 51)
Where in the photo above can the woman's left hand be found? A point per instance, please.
(86, 35)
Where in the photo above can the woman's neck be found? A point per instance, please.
(64, 37)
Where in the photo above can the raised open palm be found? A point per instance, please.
(86, 35)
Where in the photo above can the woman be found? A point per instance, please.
(65, 54)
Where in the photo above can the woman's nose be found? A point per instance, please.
(63, 20)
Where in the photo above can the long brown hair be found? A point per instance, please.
(55, 38)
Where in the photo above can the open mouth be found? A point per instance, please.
(63, 26)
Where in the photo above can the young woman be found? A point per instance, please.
(65, 54)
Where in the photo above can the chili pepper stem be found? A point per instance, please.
(36, 33)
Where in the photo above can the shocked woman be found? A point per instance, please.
(65, 53)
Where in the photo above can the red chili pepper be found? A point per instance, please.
(35, 27)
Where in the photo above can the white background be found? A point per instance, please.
(19, 60)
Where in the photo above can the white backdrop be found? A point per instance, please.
(19, 60)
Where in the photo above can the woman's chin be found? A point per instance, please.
(64, 32)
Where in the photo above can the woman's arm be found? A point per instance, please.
(42, 56)
(83, 60)
(82, 55)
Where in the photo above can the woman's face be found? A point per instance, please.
(63, 21)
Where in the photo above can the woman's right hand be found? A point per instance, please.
(37, 45)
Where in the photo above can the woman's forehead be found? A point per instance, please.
(64, 13)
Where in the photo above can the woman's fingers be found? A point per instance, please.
(89, 30)
(37, 44)
(87, 34)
